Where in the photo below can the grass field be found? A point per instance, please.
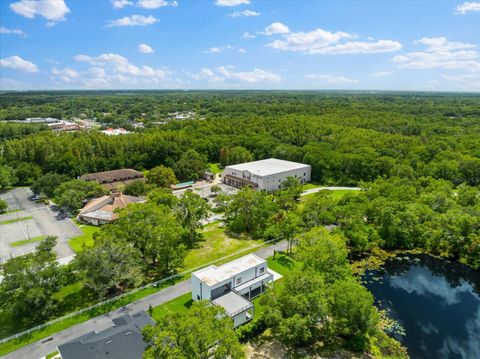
(16, 220)
(177, 305)
(85, 240)
(216, 244)
(27, 241)
(337, 194)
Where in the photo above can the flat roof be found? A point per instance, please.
(233, 303)
(212, 275)
(268, 166)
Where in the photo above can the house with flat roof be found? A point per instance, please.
(232, 285)
(102, 210)
(122, 341)
(115, 179)
(265, 175)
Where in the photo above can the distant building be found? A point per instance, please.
(115, 179)
(115, 131)
(265, 174)
(232, 285)
(64, 126)
(40, 120)
(122, 341)
(102, 210)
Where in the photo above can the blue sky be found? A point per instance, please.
(239, 44)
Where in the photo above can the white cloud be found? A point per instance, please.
(242, 51)
(276, 28)
(247, 35)
(333, 80)
(53, 10)
(134, 20)
(218, 49)
(441, 53)
(4, 30)
(144, 4)
(247, 13)
(321, 41)
(111, 71)
(467, 7)
(119, 4)
(382, 74)
(231, 2)
(225, 74)
(257, 75)
(17, 63)
(144, 49)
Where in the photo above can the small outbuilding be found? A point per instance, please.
(115, 179)
(102, 210)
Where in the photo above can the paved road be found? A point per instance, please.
(315, 190)
(38, 349)
(43, 222)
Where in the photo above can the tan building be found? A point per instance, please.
(102, 210)
(115, 179)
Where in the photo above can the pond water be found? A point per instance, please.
(435, 301)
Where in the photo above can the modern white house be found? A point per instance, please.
(265, 175)
(232, 285)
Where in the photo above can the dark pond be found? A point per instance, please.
(435, 301)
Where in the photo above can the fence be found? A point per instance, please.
(118, 297)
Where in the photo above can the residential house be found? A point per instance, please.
(115, 179)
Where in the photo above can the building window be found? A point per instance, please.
(238, 281)
(262, 270)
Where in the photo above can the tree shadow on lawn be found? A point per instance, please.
(283, 259)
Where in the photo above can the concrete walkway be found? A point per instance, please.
(48, 345)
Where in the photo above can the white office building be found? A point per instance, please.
(233, 285)
(266, 174)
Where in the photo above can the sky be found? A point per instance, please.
(240, 44)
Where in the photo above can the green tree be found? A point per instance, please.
(7, 177)
(353, 313)
(202, 332)
(137, 188)
(30, 281)
(72, 195)
(110, 266)
(158, 238)
(325, 253)
(249, 212)
(190, 166)
(287, 228)
(3, 206)
(48, 183)
(289, 193)
(319, 210)
(162, 196)
(297, 308)
(191, 209)
(161, 176)
(234, 155)
(26, 173)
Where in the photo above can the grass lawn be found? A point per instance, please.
(78, 243)
(310, 186)
(16, 220)
(283, 264)
(11, 211)
(215, 168)
(51, 355)
(216, 244)
(176, 305)
(27, 241)
(337, 194)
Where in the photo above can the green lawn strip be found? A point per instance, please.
(283, 264)
(85, 240)
(27, 241)
(310, 185)
(51, 355)
(176, 305)
(11, 211)
(16, 220)
(215, 168)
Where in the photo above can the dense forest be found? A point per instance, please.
(347, 138)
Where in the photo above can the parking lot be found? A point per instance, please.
(42, 222)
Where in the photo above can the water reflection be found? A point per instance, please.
(436, 301)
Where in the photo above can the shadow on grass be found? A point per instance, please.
(283, 259)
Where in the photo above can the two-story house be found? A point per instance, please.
(232, 285)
